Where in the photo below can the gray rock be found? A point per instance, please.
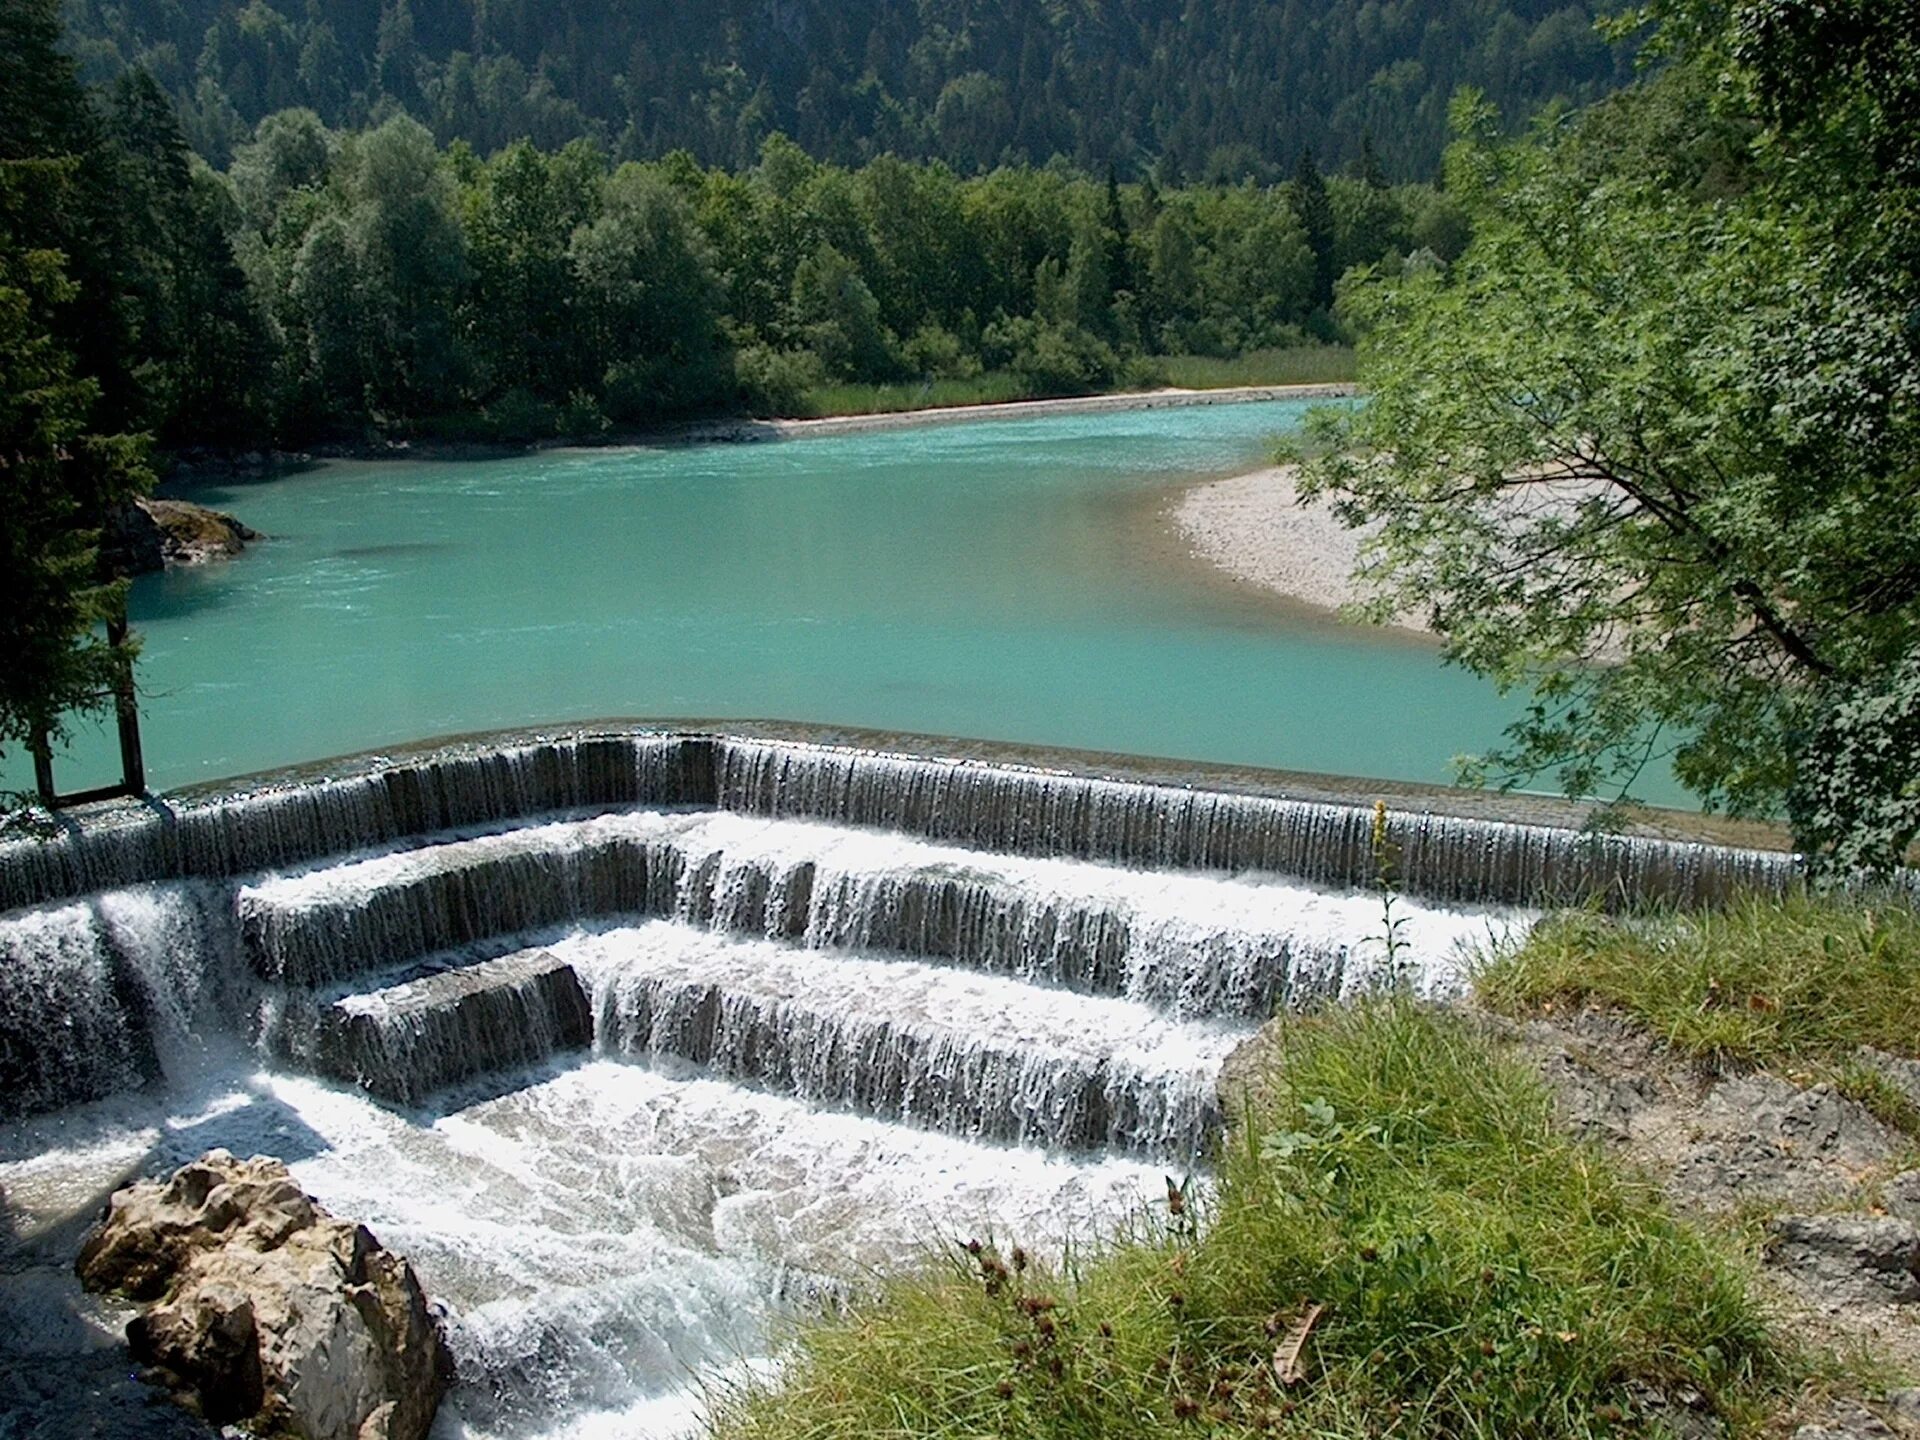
(1755, 1137)
(1902, 1196)
(267, 1311)
(149, 535)
(1849, 1259)
(1905, 1405)
(1900, 1072)
(1846, 1421)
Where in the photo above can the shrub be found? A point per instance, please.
(776, 382)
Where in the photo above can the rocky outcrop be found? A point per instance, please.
(152, 534)
(266, 1312)
(1848, 1259)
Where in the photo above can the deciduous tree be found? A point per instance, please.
(1649, 452)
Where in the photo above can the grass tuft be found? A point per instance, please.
(1799, 984)
(1399, 1209)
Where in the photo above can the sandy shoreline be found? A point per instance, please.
(1253, 531)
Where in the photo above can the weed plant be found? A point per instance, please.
(1400, 1242)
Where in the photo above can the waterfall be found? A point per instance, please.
(1197, 904)
(965, 1053)
(69, 1027)
(269, 825)
(1442, 857)
(405, 1041)
(109, 993)
(1190, 944)
(638, 1038)
(327, 924)
(991, 806)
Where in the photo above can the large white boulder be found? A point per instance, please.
(266, 1311)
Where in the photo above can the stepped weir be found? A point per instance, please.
(748, 996)
(324, 918)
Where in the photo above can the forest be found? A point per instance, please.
(1214, 90)
(343, 285)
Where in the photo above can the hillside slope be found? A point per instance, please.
(1216, 89)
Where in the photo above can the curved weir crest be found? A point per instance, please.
(630, 1039)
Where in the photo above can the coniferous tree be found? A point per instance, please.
(1198, 87)
(199, 336)
(1368, 168)
(1118, 236)
(61, 477)
(1316, 219)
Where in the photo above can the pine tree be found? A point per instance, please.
(1316, 218)
(58, 480)
(1368, 168)
(1118, 237)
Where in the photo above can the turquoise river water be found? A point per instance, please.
(996, 580)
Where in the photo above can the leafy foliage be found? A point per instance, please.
(342, 284)
(408, 289)
(1856, 794)
(56, 479)
(1648, 450)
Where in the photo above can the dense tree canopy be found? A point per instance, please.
(1650, 449)
(1220, 90)
(333, 283)
(398, 288)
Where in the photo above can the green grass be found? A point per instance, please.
(1297, 365)
(855, 399)
(1789, 985)
(1479, 1274)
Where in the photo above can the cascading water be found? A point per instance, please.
(950, 1050)
(681, 1029)
(106, 994)
(1002, 807)
(986, 805)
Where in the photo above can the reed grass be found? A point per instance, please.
(1400, 1242)
(994, 388)
(1294, 365)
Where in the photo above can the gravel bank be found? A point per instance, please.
(1254, 529)
(1012, 410)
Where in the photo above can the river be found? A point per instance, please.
(987, 580)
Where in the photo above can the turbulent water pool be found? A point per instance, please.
(997, 580)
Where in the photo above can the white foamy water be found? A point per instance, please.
(1194, 944)
(939, 1046)
(603, 1235)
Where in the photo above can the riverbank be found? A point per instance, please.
(740, 429)
(1535, 1212)
(1163, 399)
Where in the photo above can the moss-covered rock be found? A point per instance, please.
(157, 534)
